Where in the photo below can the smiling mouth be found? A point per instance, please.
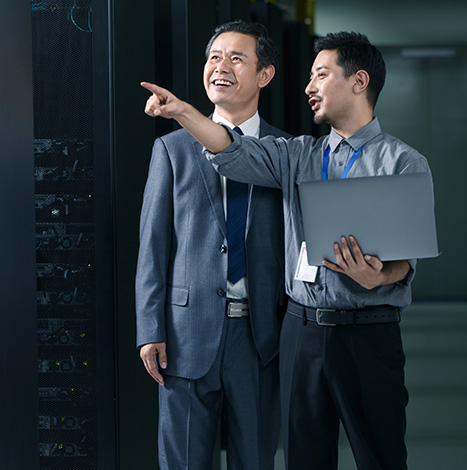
(222, 83)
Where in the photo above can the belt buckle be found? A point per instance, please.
(237, 310)
(319, 320)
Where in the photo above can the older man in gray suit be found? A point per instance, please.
(209, 290)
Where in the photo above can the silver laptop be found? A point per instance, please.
(391, 217)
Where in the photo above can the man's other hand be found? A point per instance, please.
(148, 353)
(369, 271)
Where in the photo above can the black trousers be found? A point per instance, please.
(348, 374)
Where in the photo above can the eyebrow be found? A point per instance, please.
(217, 51)
(321, 67)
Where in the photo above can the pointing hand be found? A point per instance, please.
(162, 102)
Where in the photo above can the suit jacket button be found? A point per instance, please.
(223, 249)
(220, 293)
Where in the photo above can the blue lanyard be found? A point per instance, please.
(324, 175)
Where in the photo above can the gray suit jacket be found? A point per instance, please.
(182, 265)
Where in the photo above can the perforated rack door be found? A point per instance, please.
(65, 234)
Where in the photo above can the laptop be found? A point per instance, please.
(391, 217)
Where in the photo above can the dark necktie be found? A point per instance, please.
(237, 204)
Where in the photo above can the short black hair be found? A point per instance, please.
(355, 52)
(265, 49)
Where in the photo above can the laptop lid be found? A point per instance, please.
(391, 217)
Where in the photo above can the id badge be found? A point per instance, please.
(304, 271)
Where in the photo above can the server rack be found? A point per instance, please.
(75, 311)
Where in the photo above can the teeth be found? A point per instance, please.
(222, 82)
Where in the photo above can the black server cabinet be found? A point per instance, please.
(74, 305)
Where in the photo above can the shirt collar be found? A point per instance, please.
(357, 140)
(249, 127)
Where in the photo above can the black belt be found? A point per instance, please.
(330, 317)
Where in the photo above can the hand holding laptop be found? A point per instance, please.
(369, 271)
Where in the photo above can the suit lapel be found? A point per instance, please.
(255, 190)
(212, 185)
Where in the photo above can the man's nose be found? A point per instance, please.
(310, 88)
(222, 65)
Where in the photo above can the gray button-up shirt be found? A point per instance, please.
(281, 163)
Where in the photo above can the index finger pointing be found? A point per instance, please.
(152, 87)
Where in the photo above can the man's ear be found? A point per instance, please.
(266, 74)
(362, 80)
